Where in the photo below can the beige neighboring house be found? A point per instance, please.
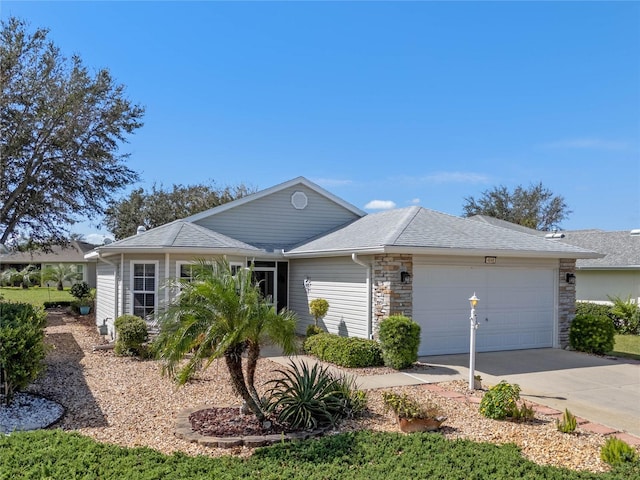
(303, 243)
(615, 273)
(73, 254)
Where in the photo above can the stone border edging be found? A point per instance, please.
(184, 431)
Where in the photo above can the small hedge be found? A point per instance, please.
(347, 352)
(592, 334)
(61, 304)
(22, 348)
(399, 339)
(131, 334)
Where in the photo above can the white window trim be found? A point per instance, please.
(132, 291)
(179, 264)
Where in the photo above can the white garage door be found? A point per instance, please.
(516, 308)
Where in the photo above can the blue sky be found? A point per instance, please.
(402, 103)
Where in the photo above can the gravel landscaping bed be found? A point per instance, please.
(128, 402)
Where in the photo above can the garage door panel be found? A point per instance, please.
(516, 308)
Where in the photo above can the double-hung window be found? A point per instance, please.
(144, 276)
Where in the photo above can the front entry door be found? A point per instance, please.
(273, 278)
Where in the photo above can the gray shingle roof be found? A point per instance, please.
(179, 235)
(420, 229)
(73, 253)
(621, 249)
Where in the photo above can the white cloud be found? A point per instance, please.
(95, 238)
(380, 205)
(588, 143)
(415, 201)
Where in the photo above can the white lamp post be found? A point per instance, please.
(472, 342)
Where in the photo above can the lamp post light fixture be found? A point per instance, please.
(472, 342)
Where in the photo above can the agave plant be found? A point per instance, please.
(306, 398)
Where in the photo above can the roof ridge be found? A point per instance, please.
(407, 218)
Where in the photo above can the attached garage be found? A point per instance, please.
(516, 309)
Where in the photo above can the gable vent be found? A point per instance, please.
(299, 200)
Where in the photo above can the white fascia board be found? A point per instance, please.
(92, 255)
(276, 188)
(186, 250)
(611, 267)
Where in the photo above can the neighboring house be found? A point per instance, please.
(615, 273)
(73, 254)
(304, 243)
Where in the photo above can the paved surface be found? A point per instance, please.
(600, 390)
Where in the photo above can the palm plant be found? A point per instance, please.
(63, 272)
(26, 276)
(219, 315)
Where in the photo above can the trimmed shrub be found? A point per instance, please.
(501, 401)
(313, 330)
(592, 334)
(22, 348)
(80, 290)
(62, 303)
(399, 340)
(597, 309)
(131, 334)
(318, 307)
(347, 352)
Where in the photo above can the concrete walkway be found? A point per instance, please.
(605, 393)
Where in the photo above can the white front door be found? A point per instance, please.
(516, 308)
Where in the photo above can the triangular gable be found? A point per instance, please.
(276, 188)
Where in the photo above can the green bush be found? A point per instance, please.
(399, 340)
(22, 348)
(80, 290)
(308, 398)
(592, 334)
(597, 309)
(318, 307)
(616, 451)
(62, 303)
(500, 401)
(347, 352)
(626, 316)
(313, 330)
(131, 334)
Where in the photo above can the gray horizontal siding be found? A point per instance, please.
(338, 280)
(273, 221)
(105, 294)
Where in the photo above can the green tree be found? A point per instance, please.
(534, 207)
(26, 277)
(220, 315)
(159, 206)
(60, 273)
(60, 131)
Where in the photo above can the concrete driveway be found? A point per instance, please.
(598, 389)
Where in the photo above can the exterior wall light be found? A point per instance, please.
(405, 277)
(571, 278)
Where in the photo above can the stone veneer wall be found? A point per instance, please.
(390, 295)
(566, 300)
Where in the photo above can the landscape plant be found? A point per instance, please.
(399, 338)
(60, 273)
(219, 314)
(592, 334)
(350, 352)
(318, 308)
(404, 406)
(616, 451)
(500, 401)
(131, 334)
(22, 347)
(568, 423)
(25, 277)
(311, 397)
(626, 314)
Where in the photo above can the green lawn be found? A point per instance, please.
(627, 346)
(54, 454)
(35, 295)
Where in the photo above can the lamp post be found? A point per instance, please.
(472, 342)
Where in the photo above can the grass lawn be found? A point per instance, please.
(56, 454)
(35, 295)
(627, 346)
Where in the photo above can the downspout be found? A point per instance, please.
(355, 258)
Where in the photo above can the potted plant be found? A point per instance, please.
(411, 415)
(82, 292)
